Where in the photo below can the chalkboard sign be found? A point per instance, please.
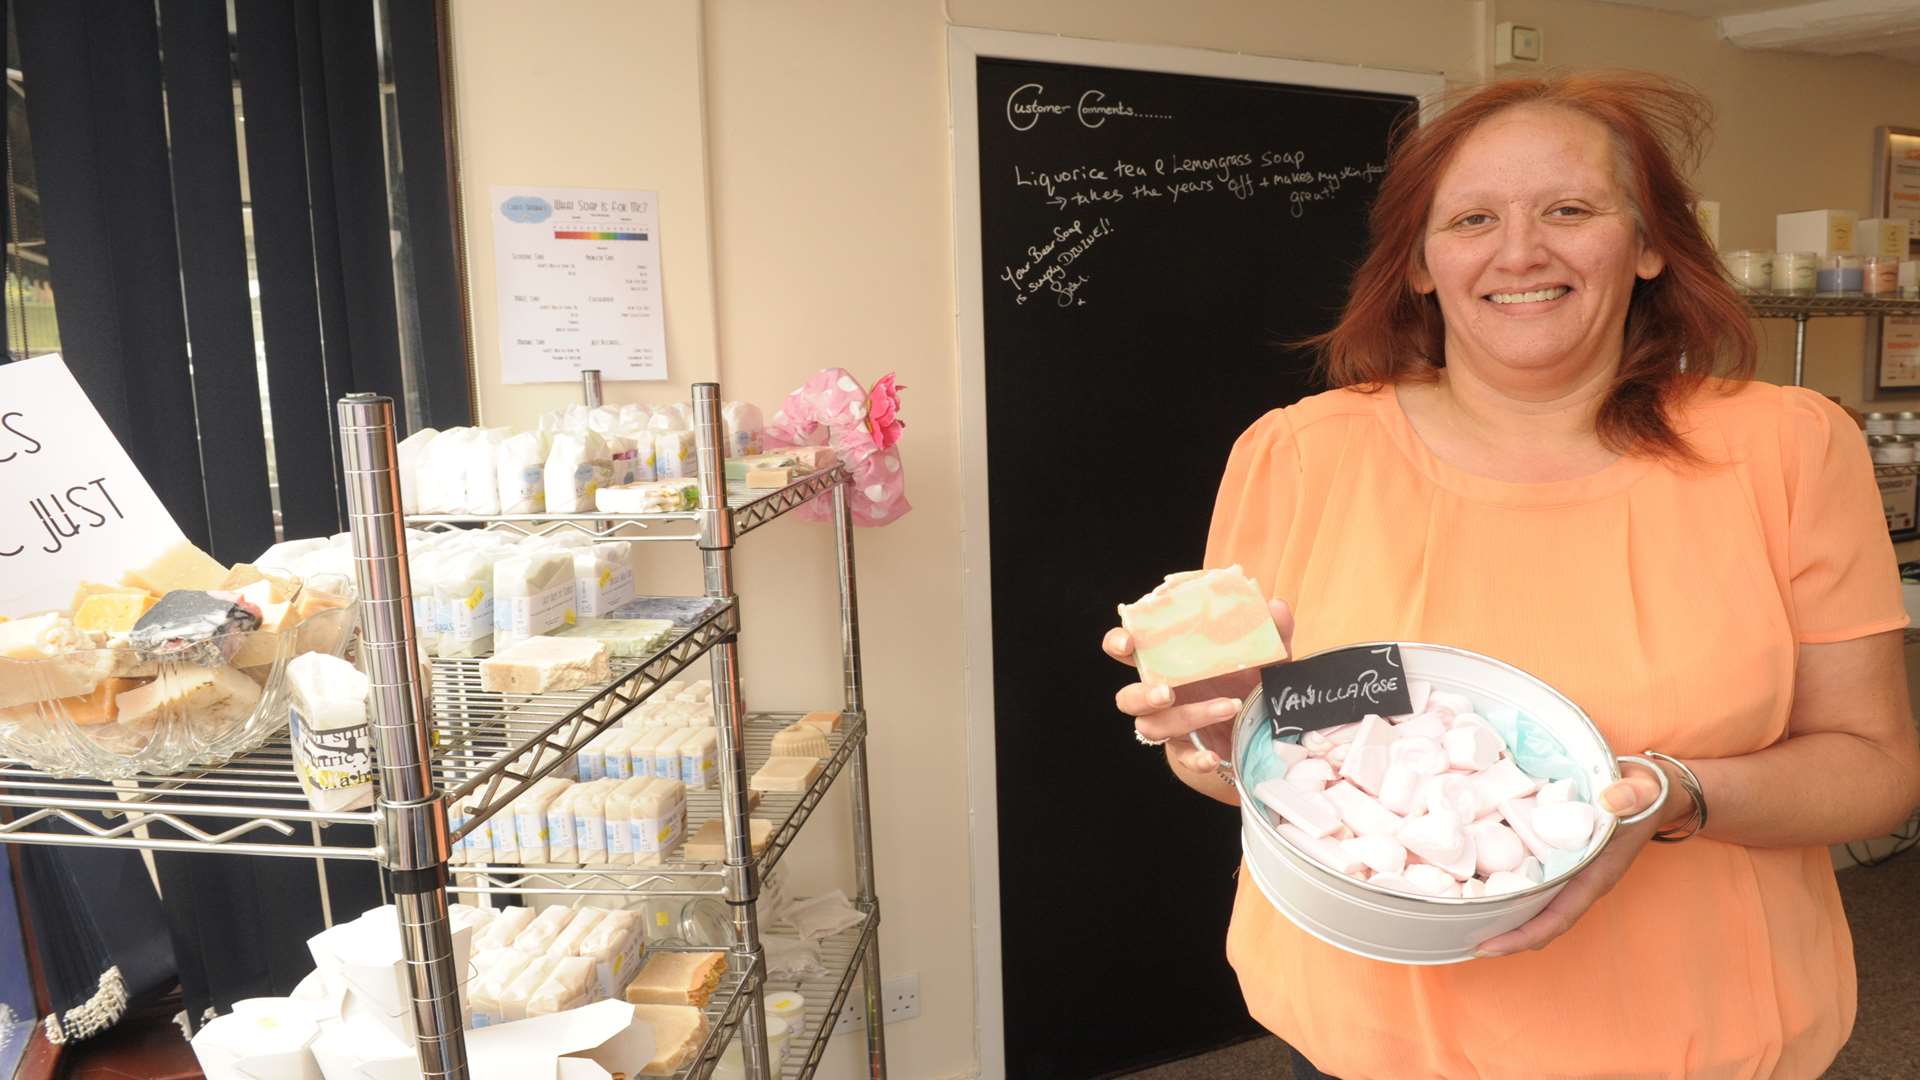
(1336, 687)
(1148, 244)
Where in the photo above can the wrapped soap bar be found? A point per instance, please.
(442, 474)
(619, 811)
(532, 594)
(616, 754)
(462, 588)
(590, 821)
(530, 817)
(332, 740)
(193, 627)
(520, 465)
(622, 637)
(562, 843)
(577, 466)
(602, 577)
(697, 751)
(666, 755)
(484, 991)
(481, 481)
(412, 450)
(518, 994)
(577, 928)
(503, 929)
(666, 495)
(1199, 625)
(545, 926)
(658, 818)
(742, 428)
(615, 947)
(568, 986)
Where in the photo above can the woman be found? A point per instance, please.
(1518, 461)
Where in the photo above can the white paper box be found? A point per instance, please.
(260, 1043)
(1823, 232)
(590, 1043)
(366, 955)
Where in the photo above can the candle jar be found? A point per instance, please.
(1840, 275)
(1880, 276)
(1907, 423)
(1879, 423)
(1793, 273)
(1751, 271)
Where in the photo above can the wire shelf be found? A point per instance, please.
(751, 508)
(254, 805)
(1771, 306)
(676, 876)
(826, 995)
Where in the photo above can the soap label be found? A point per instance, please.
(1336, 687)
(599, 595)
(527, 616)
(338, 759)
(591, 835)
(468, 618)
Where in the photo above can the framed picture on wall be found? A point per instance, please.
(1894, 343)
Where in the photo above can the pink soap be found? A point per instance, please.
(1449, 702)
(1440, 839)
(1366, 763)
(1472, 747)
(1565, 825)
(1382, 854)
(1430, 725)
(1502, 781)
(1473, 888)
(1290, 753)
(1402, 788)
(1330, 853)
(1453, 793)
(1312, 774)
(1309, 810)
(1431, 880)
(1361, 811)
(1519, 815)
(1555, 791)
(1495, 847)
(1393, 881)
(1419, 753)
(1531, 869)
(1507, 882)
(1338, 755)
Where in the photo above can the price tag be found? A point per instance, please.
(76, 507)
(1336, 687)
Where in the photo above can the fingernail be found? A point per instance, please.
(1617, 798)
(1224, 708)
(1160, 695)
(1207, 761)
(1488, 954)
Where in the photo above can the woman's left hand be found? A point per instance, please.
(1624, 798)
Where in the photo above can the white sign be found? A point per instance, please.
(579, 272)
(1899, 500)
(77, 509)
(1903, 182)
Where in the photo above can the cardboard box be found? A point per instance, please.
(594, 1042)
(365, 955)
(1885, 237)
(1823, 232)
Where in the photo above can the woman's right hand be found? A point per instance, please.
(1207, 706)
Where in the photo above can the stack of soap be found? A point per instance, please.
(785, 775)
(800, 740)
(622, 637)
(709, 843)
(1431, 803)
(678, 978)
(537, 665)
(1199, 625)
(678, 1033)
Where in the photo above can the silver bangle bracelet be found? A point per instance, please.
(1673, 834)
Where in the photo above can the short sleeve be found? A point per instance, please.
(1840, 562)
(1257, 500)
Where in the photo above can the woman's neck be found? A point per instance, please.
(1527, 434)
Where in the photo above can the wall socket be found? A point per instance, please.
(899, 995)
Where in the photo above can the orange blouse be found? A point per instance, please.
(1668, 602)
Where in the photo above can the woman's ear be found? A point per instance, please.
(1418, 277)
(1650, 263)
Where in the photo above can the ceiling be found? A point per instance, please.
(1889, 28)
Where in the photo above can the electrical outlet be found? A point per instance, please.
(899, 1000)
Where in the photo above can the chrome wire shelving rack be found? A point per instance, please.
(1802, 308)
(453, 744)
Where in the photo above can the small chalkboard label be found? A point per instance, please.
(1336, 687)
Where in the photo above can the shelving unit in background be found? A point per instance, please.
(461, 741)
(1802, 308)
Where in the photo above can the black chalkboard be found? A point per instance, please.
(1149, 243)
(1339, 686)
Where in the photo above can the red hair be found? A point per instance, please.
(1390, 332)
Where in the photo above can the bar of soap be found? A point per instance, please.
(709, 843)
(194, 627)
(649, 497)
(678, 978)
(622, 637)
(800, 740)
(813, 458)
(181, 566)
(1201, 624)
(209, 698)
(825, 722)
(537, 665)
(786, 775)
(114, 612)
(772, 478)
(678, 1033)
(739, 469)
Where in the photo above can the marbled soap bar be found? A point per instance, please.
(1201, 624)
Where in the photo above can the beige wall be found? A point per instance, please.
(802, 159)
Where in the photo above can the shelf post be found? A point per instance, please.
(413, 819)
(743, 887)
(1800, 349)
(862, 794)
(590, 388)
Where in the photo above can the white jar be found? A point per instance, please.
(1880, 423)
(1907, 423)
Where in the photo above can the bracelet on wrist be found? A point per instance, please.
(1697, 820)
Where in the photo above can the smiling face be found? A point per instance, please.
(1532, 249)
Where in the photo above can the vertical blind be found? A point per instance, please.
(132, 110)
